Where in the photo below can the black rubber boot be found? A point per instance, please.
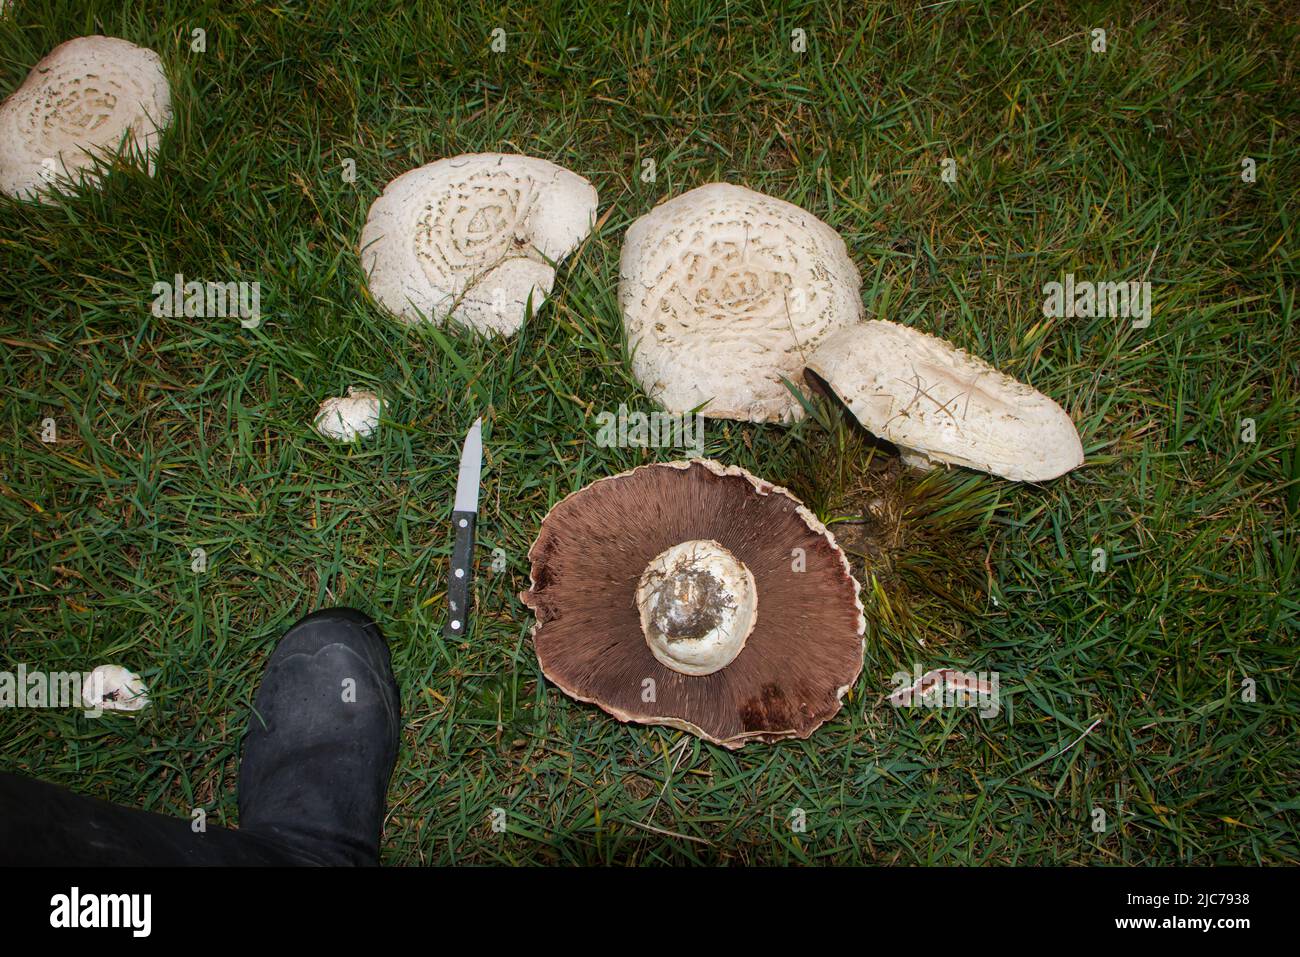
(322, 741)
(317, 760)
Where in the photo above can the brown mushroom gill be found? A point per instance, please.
(805, 646)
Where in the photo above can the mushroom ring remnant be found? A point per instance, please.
(87, 98)
(697, 604)
(699, 596)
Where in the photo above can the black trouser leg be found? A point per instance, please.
(48, 825)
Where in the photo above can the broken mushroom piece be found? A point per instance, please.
(113, 688)
(87, 99)
(724, 291)
(941, 405)
(699, 596)
(472, 237)
(348, 418)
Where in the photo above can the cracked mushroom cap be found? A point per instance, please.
(724, 291)
(699, 596)
(472, 236)
(939, 404)
(87, 98)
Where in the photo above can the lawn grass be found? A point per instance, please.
(1121, 690)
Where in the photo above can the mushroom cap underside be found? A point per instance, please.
(804, 651)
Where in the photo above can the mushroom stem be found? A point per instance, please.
(698, 605)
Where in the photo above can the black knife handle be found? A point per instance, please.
(462, 569)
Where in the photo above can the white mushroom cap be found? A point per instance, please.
(939, 404)
(113, 688)
(724, 291)
(698, 603)
(86, 98)
(349, 417)
(470, 237)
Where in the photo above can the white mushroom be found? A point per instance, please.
(113, 688)
(724, 291)
(348, 418)
(86, 99)
(473, 236)
(939, 404)
(698, 604)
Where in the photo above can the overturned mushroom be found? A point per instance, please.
(472, 237)
(350, 417)
(85, 100)
(698, 596)
(724, 291)
(114, 688)
(939, 404)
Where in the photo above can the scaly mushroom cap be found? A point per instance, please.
(470, 237)
(724, 291)
(85, 99)
(939, 404)
(698, 596)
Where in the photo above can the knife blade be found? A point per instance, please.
(463, 517)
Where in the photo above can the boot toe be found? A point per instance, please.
(323, 739)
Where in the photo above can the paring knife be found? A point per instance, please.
(464, 513)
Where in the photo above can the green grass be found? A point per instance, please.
(183, 433)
